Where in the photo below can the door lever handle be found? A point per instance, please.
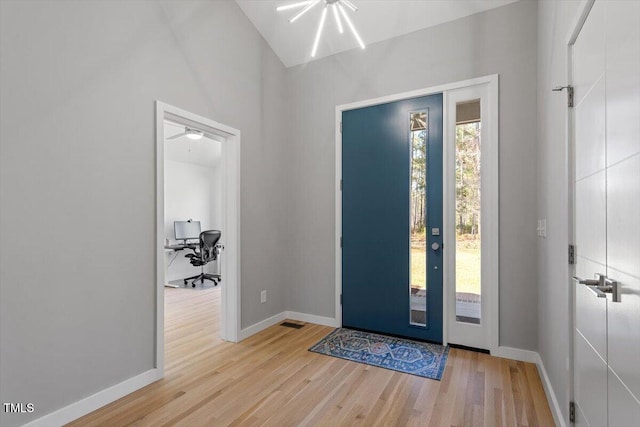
(592, 285)
(588, 282)
(596, 290)
(598, 281)
(602, 286)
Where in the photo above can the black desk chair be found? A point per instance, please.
(208, 251)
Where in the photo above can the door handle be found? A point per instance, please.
(435, 246)
(593, 285)
(602, 286)
(598, 281)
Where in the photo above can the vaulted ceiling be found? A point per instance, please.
(375, 20)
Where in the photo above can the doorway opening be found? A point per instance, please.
(192, 204)
(197, 190)
(472, 321)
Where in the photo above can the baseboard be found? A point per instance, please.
(534, 357)
(312, 318)
(551, 396)
(89, 404)
(516, 354)
(260, 326)
(292, 315)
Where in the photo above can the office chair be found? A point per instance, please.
(208, 251)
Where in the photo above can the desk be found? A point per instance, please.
(181, 246)
(176, 247)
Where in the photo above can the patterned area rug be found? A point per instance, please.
(411, 357)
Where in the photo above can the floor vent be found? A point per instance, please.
(291, 325)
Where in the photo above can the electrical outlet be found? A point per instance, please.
(263, 297)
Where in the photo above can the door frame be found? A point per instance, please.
(230, 262)
(574, 32)
(492, 258)
(469, 334)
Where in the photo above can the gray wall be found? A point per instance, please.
(555, 22)
(501, 41)
(78, 82)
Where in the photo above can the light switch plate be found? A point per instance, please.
(541, 230)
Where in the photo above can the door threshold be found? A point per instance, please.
(474, 349)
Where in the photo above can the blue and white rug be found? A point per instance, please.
(411, 357)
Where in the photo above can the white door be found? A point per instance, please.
(606, 187)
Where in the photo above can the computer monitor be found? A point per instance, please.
(186, 230)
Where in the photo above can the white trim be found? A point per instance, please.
(338, 216)
(492, 81)
(160, 258)
(448, 239)
(484, 335)
(571, 38)
(95, 401)
(415, 93)
(291, 315)
(312, 318)
(551, 396)
(261, 326)
(578, 23)
(516, 354)
(230, 304)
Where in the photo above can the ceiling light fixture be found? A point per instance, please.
(338, 10)
(350, 24)
(293, 5)
(193, 134)
(303, 11)
(337, 18)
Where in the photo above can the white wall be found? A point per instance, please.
(190, 191)
(501, 41)
(78, 81)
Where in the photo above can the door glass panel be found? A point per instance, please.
(418, 219)
(468, 273)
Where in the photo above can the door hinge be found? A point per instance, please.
(340, 185)
(340, 299)
(569, 89)
(340, 241)
(340, 127)
(572, 412)
(572, 254)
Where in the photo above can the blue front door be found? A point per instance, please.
(391, 217)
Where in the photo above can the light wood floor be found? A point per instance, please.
(271, 379)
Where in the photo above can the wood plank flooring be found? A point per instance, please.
(271, 379)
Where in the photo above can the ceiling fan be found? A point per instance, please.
(194, 134)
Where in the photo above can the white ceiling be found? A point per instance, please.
(204, 152)
(375, 20)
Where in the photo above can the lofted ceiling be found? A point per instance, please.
(375, 20)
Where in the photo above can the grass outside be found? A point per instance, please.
(467, 264)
